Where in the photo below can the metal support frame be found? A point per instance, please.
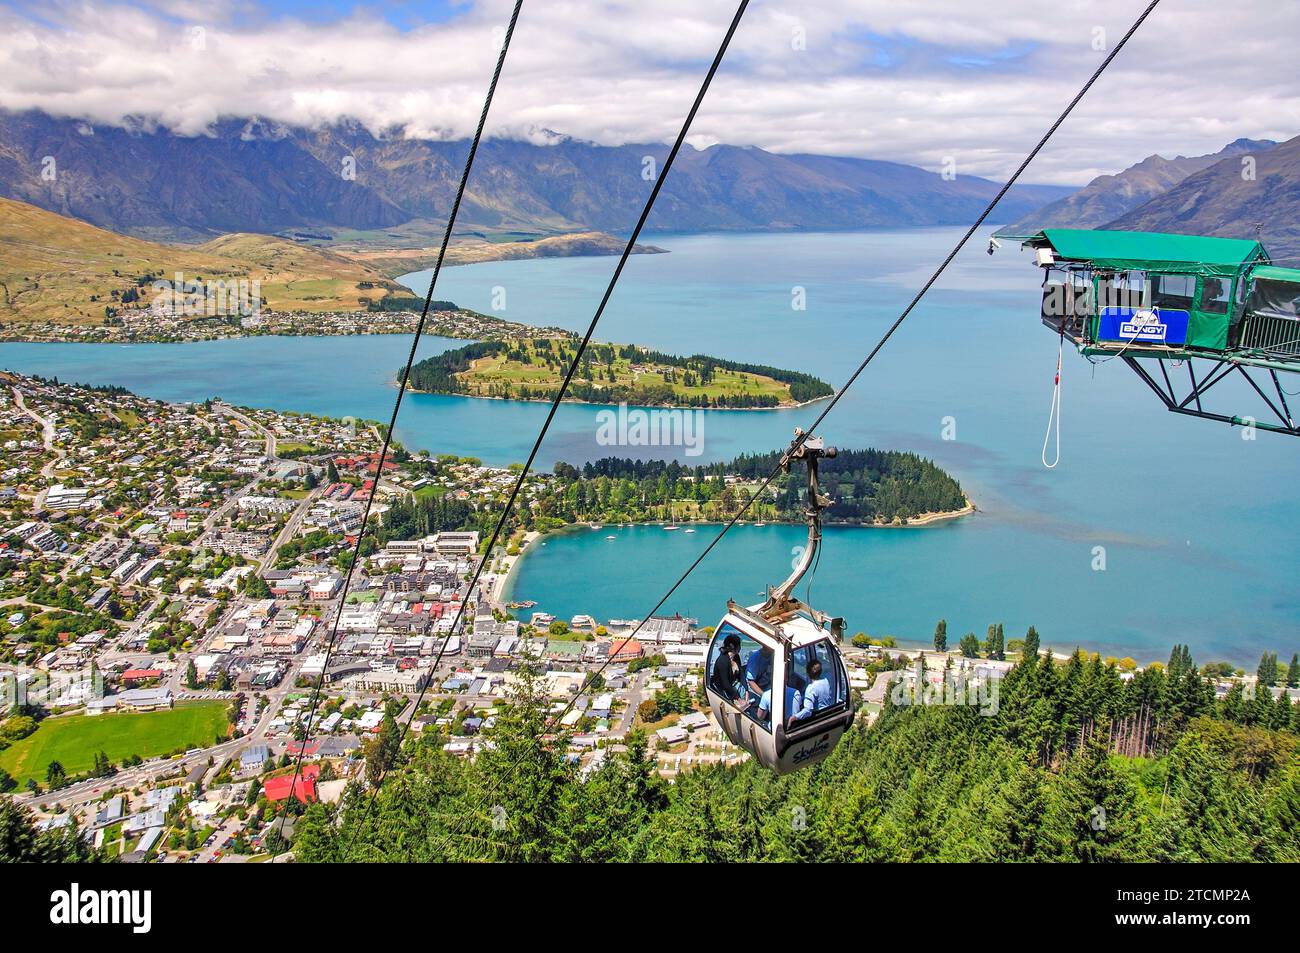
(781, 604)
(1191, 404)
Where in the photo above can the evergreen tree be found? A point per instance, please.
(941, 636)
(994, 646)
(1267, 670)
(1031, 643)
(521, 775)
(21, 842)
(55, 775)
(1282, 712)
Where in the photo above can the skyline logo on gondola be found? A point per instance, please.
(819, 747)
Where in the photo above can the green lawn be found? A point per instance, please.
(74, 740)
(499, 369)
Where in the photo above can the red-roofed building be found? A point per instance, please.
(295, 748)
(364, 463)
(626, 649)
(133, 676)
(278, 788)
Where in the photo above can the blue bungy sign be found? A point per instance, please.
(1143, 326)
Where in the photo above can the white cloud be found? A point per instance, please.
(914, 82)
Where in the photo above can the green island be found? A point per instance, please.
(80, 743)
(867, 487)
(534, 368)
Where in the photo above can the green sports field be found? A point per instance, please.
(75, 740)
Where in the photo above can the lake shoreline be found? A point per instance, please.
(503, 591)
(593, 403)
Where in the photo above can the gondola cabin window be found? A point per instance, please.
(819, 682)
(740, 670)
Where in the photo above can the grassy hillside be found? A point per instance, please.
(533, 369)
(400, 261)
(54, 268)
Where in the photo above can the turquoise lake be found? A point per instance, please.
(1196, 524)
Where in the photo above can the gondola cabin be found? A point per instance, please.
(791, 703)
(774, 679)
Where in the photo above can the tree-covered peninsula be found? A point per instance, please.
(533, 369)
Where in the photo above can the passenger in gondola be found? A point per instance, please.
(758, 672)
(816, 696)
(725, 679)
(794, 703)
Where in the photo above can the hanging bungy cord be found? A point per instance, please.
(1055, 413)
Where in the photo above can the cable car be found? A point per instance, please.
(775, 679)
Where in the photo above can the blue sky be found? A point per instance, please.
(402, 15)
(920, 81)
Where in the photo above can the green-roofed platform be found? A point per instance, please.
(1162, 297)
(1158, 251)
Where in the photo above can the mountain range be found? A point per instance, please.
(1248, 189)
(252, 175)
(1233, 199)
(1107, 197)
(345, 184)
